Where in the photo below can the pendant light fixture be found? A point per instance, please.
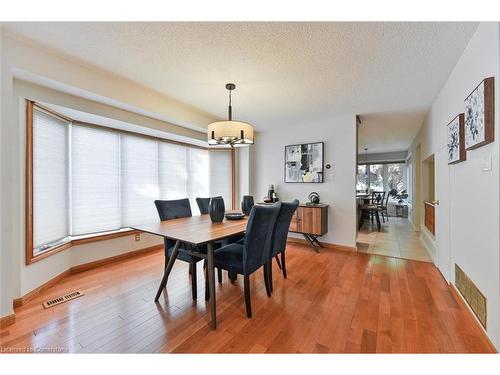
(366, 162)
(230, 133)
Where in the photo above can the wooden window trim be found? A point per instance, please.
(30, 258)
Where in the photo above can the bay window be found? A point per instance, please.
(85, 180)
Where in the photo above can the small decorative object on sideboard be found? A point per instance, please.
(247, 204)
(216, 209)
(313, 198)
(271, 195)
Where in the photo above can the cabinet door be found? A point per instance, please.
(310, 220)
(294, 224)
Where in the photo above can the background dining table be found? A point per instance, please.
(195, 230)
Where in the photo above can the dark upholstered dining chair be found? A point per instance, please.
(174, 209)
(280, 236)
(204, 203)
(246, 258)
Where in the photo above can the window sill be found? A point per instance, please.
(80, 241)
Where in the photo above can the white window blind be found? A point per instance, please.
(139, 179)
(172, 171)
(95, 180)
(197, 176)
(220, 175)
(50, 180)
(88, 180)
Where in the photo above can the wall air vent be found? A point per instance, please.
(471, 293)
(67, 297)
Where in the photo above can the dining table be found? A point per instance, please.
(198, 231)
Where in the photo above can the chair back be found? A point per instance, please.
(258, 236)
(282, 225)
(386, 201)
(204, 203)
(378, 197)
(173, 209)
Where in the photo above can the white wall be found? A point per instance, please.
(80, 87)
(474, 195)
(338, 190)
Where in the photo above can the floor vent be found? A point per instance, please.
(471, 293)
(62, 299)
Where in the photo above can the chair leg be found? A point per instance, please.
(383, 219)
(166, 263)
(194, 281)
(378, 220)
(266, 279)
(248, 303)
(278, 261)
(270, 275)
(219, 275)
(283, 263)
(232, 276)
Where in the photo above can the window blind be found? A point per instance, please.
(95, 180)
(197, 176)
(50, 180)
(139, 179)
(172, 171)
(88, 180)
(220, 167)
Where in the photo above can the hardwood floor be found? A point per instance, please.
(333, 302)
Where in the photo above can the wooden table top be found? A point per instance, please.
(196, 230)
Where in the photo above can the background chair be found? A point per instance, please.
(280, 236)
(204, 203)
(383, 208)
(174, 209)
(255, 252)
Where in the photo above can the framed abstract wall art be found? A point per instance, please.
(304, 163)
(479, 115)
(456, 140)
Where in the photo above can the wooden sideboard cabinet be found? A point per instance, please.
(311, 221)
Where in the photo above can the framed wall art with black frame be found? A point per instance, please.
(304, 163)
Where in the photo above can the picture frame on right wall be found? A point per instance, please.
(480, 115)
(456, 136)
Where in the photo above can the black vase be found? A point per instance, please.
(216, 209)
(247, 204)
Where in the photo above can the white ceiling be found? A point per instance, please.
(286, 73)
(388, 132)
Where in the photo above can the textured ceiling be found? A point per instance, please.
(286, 73)
(387, 132)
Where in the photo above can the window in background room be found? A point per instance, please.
(362, 178)
(395, 177)
(377, 177)
(51, 204)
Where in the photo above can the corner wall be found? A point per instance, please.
(474, 194)
(338, 190)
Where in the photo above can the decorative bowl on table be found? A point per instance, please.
(234, 215)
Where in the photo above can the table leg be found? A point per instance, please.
(211, 283)
(170, 264)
